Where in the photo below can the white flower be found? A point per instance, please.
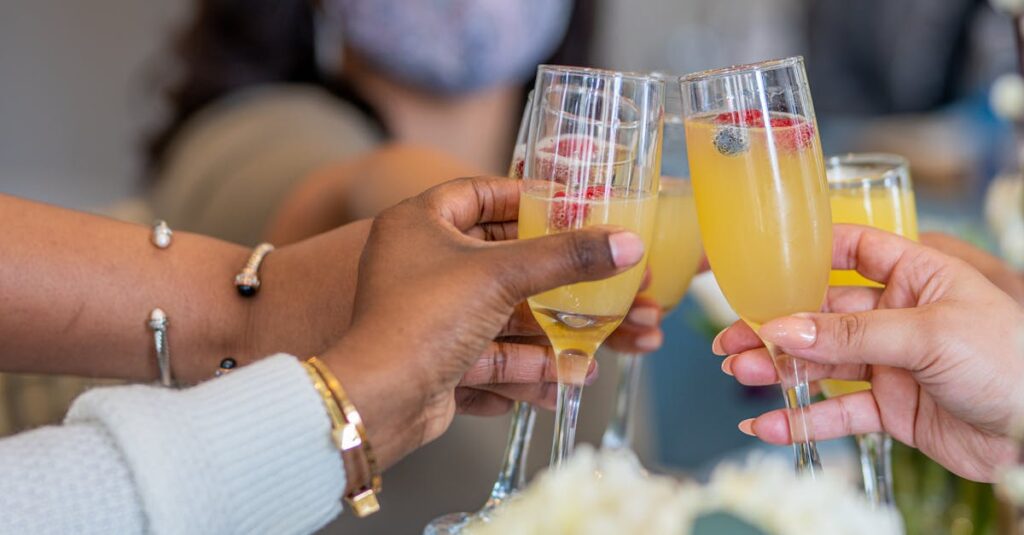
(766, 494)
(606, 493)
(609, 493)
(1003, 212)
(1013, 7)
(1007, 96)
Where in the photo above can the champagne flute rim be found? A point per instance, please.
(890, 167)
(602, 73)
(882, 158)
(719, 72)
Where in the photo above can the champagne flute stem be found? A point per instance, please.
(876, 467)
(566, 414)
(793, 375)
(512, 476)
(619, 433)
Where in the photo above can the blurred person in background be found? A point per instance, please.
(912, 77)
(304, 99)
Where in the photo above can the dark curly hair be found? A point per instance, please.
(229, 45)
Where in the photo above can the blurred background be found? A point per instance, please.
(209, 113)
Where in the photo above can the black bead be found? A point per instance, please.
(245, 290)
(228, 364)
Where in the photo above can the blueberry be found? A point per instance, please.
(730, 140)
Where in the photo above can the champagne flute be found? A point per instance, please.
(762, 202)
(873, 190)
(512, 475)
(673, 261)
(592, 158)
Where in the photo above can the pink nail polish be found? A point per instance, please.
(793, 332)
(649, 342)
(727, 365)
(716, 344)
(646, 316)
(627, 248)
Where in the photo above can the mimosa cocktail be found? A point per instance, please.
(591, 158)
(676, 248)
(762, 202)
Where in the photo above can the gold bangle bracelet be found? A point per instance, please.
(333, 411)
(351, 416)
(354, 446)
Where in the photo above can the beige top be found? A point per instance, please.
(233, 163)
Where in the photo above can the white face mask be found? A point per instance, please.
(446, 46)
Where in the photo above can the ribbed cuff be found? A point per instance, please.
(246, 453)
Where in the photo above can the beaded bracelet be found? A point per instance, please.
(354, 444)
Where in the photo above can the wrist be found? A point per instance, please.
(390, 399)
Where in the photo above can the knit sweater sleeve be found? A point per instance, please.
(246, 453)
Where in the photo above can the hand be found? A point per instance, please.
(940, 344)
(435, 289)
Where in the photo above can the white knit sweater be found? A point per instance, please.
(246, 453)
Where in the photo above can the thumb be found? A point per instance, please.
(532, 266)
(888, 337)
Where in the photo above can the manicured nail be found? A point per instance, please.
(716, 344)
(747, 427)
(646, 316)
(591, 373)
(649, 342)
(627, 248)
(793, 332)
(727, 365)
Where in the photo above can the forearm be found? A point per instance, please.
(76, 291)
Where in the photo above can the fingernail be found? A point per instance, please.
(646, 316)
(716, 344)
(591, 373)
(649, 342)
(627, 248)
(727, 365)
(792, 332)
(747, 427)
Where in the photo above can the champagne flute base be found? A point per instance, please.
(876, 468)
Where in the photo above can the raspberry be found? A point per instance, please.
(741, 118)
(571, 211)
(518, 167)
(791, 133)
(566, 160)
(794, 134)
